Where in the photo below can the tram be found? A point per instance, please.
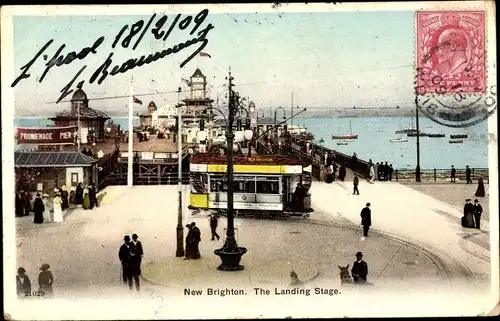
(263, 185)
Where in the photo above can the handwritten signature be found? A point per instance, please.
(103, 71)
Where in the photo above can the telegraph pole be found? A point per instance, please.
(291, 113)
(180, 246)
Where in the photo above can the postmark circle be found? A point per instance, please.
(457, 110)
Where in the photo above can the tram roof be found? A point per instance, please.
(248, 160)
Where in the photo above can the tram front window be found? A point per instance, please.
(198, 182)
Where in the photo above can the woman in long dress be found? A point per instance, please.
(64, 197)
(38, 208)
(480, 192)
(329, 173)
(79, 194)
(47, 205)
(58, 215)
(372, 173)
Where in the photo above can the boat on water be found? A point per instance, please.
(399, 140)
(458, 136)
(406, 131)
(321, 141)
(342, 142)
(437, 135)
(419, 134)
(409, 130)
(456, 141)
(344, 137)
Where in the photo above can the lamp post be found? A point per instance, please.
(230, 253)
(179, 230)
(417, 170)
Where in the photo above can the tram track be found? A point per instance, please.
(439, 259)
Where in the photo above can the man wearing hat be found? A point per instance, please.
(359, 269)
(124, 256)
(193, 238)
(366, 220)
(214, 222)
(477, 210)
(139, 250)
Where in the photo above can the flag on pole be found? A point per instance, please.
(137, 100)
(204, 54)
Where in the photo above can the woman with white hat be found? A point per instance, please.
(58, 215)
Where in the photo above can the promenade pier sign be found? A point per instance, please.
(46, 135)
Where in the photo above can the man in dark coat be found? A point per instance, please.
(342, 173)
(124, 256)
(391, 170)
(214, 222)
(453, 173)
(355, 183)
(27, 203)
(23, 283)
(366, 219)
(38, 208)
(93, 196)
(334, 166)
(359, 269)
(133, 267)
(386, 171)
(79, 194)
(468, 174)
(139, 250)
(477, 210)
(20, 203)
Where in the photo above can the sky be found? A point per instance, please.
(326, 59)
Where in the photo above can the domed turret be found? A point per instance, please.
(79, 98)
(79, 95)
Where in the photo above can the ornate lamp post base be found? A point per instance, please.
(230, 259)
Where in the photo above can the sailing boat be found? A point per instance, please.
(355, 136)
(410, 130)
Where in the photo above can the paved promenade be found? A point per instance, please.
(414, 216)
(416, 242)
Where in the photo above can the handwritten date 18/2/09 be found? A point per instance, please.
(138, 27)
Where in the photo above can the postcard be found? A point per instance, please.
(270, 160)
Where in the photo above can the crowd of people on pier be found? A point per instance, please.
(51, 208)
(331, 168)
(383, 171)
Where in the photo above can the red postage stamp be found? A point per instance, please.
(450, 52)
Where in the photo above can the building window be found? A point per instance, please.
(74, 179)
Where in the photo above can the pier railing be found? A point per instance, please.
(440, 175)
(316, 155)
(164, 179)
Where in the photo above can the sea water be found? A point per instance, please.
(374, 140)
